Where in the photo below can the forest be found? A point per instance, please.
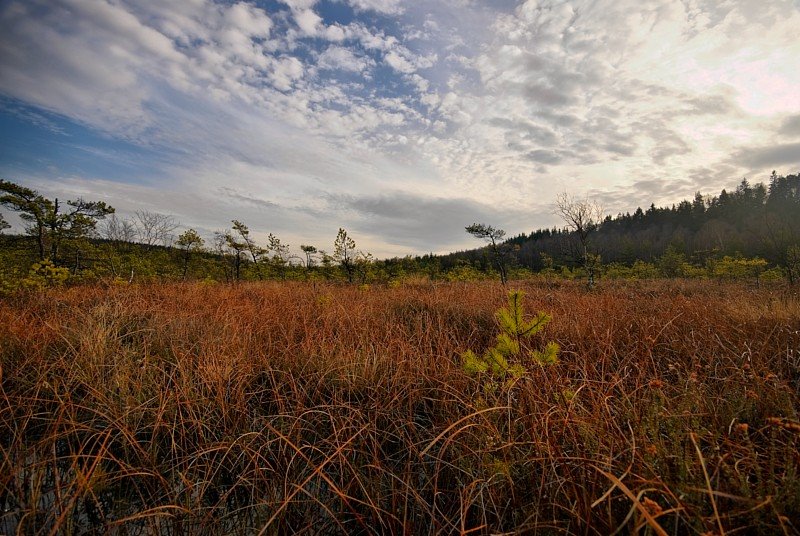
(755, 222)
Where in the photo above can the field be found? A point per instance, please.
(280, 408)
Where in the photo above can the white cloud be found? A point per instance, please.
(648, 85)
(399, 63)
(300, 4)
(404, 61)
(308, 21)
(285, 71)
(337, 57)
(388, 7)
(248, 20)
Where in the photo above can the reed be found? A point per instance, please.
(274, 408)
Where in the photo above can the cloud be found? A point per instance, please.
(710, 104)
(300, 4)
(589, 90)
(30, 116)
(386, 7)
(285, 71)
(422, 223)
(544, 156)
(399, 63)
(404, 61)
(337, 57)
(790, 126)
(768, 157)
(247, 199)
(108, 65)
(308, 21)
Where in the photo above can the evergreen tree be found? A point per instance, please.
(188, 242)
(344, 252)
(49, 221)
(499, 251)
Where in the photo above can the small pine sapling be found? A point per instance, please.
(506, 358)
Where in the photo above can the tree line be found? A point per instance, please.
(748, 231)
(760, 221)
(84, 240)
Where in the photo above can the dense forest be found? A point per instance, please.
(752, 231)
(753, 221)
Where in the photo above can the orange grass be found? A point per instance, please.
(304, 408)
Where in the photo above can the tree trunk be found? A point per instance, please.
(40, 238)
(185, 265)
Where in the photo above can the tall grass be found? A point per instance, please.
(298, 408)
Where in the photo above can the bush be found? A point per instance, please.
(45, 274)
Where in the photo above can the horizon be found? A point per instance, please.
(400, 122)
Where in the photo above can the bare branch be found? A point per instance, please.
(153, 228)
(118, 229)
(582, 216)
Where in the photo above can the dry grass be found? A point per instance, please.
(299, 408)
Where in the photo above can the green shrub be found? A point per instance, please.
(45, 274)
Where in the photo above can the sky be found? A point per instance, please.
(400, 121)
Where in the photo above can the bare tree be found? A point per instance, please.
(118, 230)
(153, 228)
(582, 217)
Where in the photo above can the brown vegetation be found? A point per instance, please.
(287, 408)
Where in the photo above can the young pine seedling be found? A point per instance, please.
(510, 354)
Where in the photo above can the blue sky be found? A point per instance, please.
(402, 122)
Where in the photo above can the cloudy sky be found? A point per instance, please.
(401, 121)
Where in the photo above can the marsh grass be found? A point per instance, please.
(305, 408)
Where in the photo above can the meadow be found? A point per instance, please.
(322, 408)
